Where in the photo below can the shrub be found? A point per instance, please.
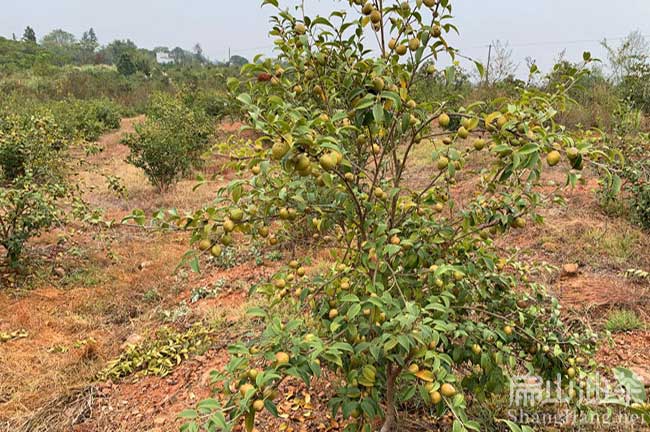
(32, 179)
(419, 309)
(169, 144)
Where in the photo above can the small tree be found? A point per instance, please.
(29, 35)
(32, 180)
(125, 64)
(170, 143)
(419, 305)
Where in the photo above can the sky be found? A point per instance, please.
(538, 29)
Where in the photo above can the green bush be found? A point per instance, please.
(169, 144)
(32, 179)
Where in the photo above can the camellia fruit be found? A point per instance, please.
(378, 84)
(462, 132)
(553, 158)
(205, 245)
(442, 163)
(444, 120)
(476, 349)
(392, 43)
(414, 44)
(436, 397)
(300, 28)
(236, 214)
(479, 144)
(279, 150)
(245, 388)
(572, 153)
(215, 251)
(367, 8)
(258, 405)
(328, 161)
(282, 358)
(375, 16)
(401, 49)
(447, 390)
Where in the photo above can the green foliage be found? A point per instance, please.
(32, 179)
(419, 309)
(623, 320)
(160, 355)
(125, 64)
(170, 143)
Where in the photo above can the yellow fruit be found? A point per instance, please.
(367, 8)
(553, 158)
(414, 44)
(444, 120)
(205, 245)
(300, 28)
(412, 104)
(376, 149)
(328, 161)
(447, 390)
(256, 169)
(252, 374)
(279, 150)
(245, 388)
(280, 283)
(258, 405)
(300, 271)
(571, 372)
(375, 16)
(436, 397)
(333, 313)
(462, 132)
(228, 225)
(282, 358)
(436, 31)
(392, 43)
(401, 49)
(413, 368)
(507, 330)
(215, 251)
(303, 163)
(479, 144)
(476, 349)
(429, 3)
(284, 214)
(395, 240)
(264, 231)
(442, 163)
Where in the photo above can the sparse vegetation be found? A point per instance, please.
(623, 320)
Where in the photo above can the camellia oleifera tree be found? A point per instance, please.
(419, 310)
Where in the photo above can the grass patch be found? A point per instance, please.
(623, 320)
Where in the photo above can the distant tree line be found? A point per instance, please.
(59, 48)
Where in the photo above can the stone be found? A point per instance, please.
(570, 269)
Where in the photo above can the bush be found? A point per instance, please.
(32, 179)
(419, 311)
(170, 143)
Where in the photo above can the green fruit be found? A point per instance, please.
(328, 161)
(444, 120)
(437, 31)
(463, 133)
(378, 84)
(436, 397)
(236, 214)
(282, 358)
(228, 225)
(401, 49)
(279, 150)
(519, 222)
(553, 158)
(479, 144)
(205, 245)
(303, 163)
(258, 405)
(429, 3)
(476, 349)
(245, 388)
(215, 251)
(572, 153)
(442, 163)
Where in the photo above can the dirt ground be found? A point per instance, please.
(106, 286)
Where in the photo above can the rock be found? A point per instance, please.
(159, 421)
(642, 374)
(144, 264)
(134, 339)
(59, 271)
(570, 269)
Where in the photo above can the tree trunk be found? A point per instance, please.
(390, 422)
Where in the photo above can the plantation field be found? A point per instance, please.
(367, 231)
